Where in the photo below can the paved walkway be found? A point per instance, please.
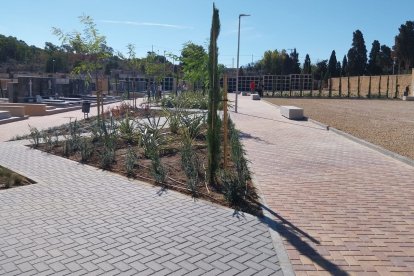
(10, 130)
(78, 220)
(341, 208)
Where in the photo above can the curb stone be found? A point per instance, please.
(284, 261)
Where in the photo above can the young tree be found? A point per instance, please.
(332, 64)
(357, 55)
(91, 46)
(344, 69)
(404, 44)
(213, 132)
(374, 66)
(307, 65)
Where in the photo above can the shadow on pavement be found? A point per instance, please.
(293, 235)
(245, 135)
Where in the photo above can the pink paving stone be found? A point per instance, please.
(351, 203)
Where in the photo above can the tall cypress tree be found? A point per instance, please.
(307, 65)
(213, 132)
(357, 55)
(332, 65)
(374, 67)
(344, 69)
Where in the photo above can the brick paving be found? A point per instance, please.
(78, 220)
(340, 207)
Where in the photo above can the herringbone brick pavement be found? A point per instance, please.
(78, 220)
(341, 207)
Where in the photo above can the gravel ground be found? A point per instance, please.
(387, 123)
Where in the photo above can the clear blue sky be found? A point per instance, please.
(315, 27)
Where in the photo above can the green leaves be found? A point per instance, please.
(194, 63)
(89, 44)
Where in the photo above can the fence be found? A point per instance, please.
(276, 84)
(384, 86)
(300, 85)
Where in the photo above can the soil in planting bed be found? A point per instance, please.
(386, 123)
(10, 179)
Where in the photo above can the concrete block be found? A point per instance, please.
(255, 97)
(4, 114)
(291, 112)
(408, 98)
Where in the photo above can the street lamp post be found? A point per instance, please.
(393, 65)
(238, 54)
(53, 67)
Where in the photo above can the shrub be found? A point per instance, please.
(107, 156)
(85, 149)
(47, 140)
(56, 133)
(158, 169)
(130, 161)
(192, 123)
(189, 99)
(66, 148)
(233, 189)
(35, 136)
(151, 134)
(190, 165)
(126, 129)
(238, 155)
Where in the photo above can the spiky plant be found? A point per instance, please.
(85, 149)
(233, 189)
(47, 140)
(130, 161)
(190, 165)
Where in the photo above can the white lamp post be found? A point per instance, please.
(238, 52)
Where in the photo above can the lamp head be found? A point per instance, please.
(240, 15)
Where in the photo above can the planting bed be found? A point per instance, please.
(10, 179)
(128, 134)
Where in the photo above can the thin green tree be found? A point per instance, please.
(213, 132)
(91, 46)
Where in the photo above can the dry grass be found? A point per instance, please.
(387, 123)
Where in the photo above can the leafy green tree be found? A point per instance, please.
(213, 132)
(374, 62)
(194, 63)
(357, 55)
(307, 65)
(344, 69)
(332, 66)
(154, 66)
(279, 63)
(404, 45)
